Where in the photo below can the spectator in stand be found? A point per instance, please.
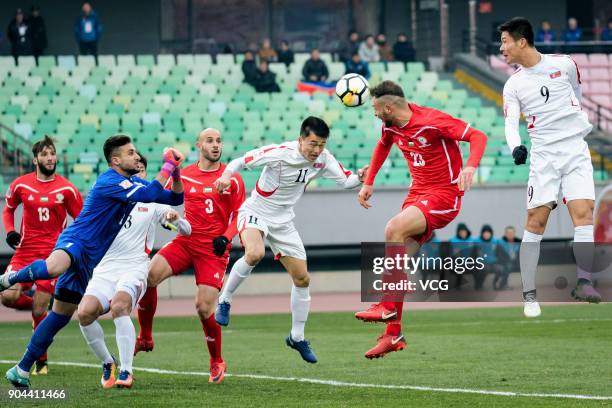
(546, 34)
(266, 52)
(403, 50)
(87, 30)
(384, 49)
(462, 246)
(487, 247)
(350, 47)
(285, 54)
(38, 32)
(510, 246)
(606, 34)
(368, 50)
(20, 36)
(265, 80)
(249, 68)
(356, 66)
(315, 69)
(573, 32)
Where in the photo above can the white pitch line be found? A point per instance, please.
(348, 384)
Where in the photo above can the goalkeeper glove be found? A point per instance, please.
(13, 239)
(220, 245)
(519, 154)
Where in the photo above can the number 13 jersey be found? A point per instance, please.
(548, 95)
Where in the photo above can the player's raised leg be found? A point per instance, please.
(254, 251)
(581, 211)
(529, 256)
(159, 270)
(411, 222)
(89, 310)
(56, 264)
(206, 301)
(300, 306)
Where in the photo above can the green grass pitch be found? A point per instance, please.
(566, 351)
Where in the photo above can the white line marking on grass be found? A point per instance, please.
(347, 384)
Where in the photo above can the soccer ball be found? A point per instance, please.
(353, 90)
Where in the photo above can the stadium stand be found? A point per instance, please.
(167, 100)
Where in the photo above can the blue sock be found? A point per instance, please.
(37, 270)
(42, 338)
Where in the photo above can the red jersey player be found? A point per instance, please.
(213, 218)
(46, 197)
(429, 140)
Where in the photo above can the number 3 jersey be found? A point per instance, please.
(210, 213)
(45, 205)
(548, 95)
(285, 175)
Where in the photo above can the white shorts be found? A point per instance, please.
(284, 239)
(105, 282)
(562, 167)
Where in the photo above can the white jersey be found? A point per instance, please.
(548, 95)
(134, 242)
(285, 176)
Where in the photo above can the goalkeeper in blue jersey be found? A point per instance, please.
(83, 244)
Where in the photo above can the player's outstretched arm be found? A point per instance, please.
(380, 154)
(478, 144)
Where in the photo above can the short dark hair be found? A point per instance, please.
(113, 143)
(314, 125)
(518, 27)
(143, 160)
(39, 146)
(387, 88)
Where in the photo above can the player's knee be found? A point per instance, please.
(38, 311)
(86, 317)
(253, 256)
(302, 281)
(583, 216)
(535, 225)
(204, 308)
(119, 308)
(393, 233)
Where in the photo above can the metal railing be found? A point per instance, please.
(20, 158)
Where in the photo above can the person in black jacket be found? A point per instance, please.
(357, 66)
(403, 50)
(315, 69)
(20, 36)
(265, 80)
(349, 47)
(249, 68)
(285, 55)
(38, 32)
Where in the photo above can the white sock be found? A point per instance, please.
(126, 341)
(300, 306)
(94, 336)
(240, 271)
(22, 373)
(584, 251)
(529, 257)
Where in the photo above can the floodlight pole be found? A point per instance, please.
(472, 6)
(444, 32)
(413, 18)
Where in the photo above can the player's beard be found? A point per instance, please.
(47, 172)
(131, 172)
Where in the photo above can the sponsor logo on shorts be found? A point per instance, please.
(216, 275)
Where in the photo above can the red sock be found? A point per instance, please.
(23, 302)
(212, 332)
(395, 328)
(146, 310)
(393, 275)
(35, 322)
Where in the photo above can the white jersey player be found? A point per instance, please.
(119, 281)
(268, 213)
(546, 90)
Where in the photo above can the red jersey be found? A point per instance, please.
(210, 213)
(45, 204)
(430, 144)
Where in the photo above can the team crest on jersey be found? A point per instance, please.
(555, 75)
(126, 184)
(59, 198)
(30, 197)
(423, 141)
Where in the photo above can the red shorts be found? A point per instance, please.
(439, 207)
(20, 260)
(181, 253)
